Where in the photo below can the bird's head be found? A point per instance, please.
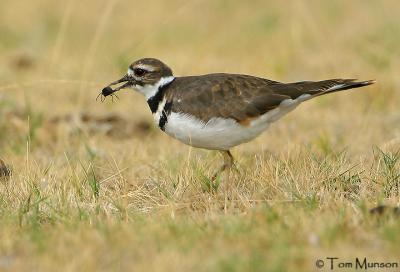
(144, 75)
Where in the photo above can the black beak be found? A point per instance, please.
(109, 91)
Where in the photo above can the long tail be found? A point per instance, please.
(317, 88)
(345, 84)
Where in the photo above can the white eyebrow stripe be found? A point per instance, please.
(145, 67)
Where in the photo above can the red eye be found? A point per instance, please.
(139, 72)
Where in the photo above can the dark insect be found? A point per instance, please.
(106, 92)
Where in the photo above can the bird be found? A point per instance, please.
(218, 111)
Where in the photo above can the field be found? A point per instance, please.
(91, 186)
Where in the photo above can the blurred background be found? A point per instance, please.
(56, 56)
(85, 173)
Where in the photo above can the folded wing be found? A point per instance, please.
(243, 97)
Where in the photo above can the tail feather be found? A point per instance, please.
(317, 88)
(345, 84)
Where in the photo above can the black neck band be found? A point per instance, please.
(155, 100)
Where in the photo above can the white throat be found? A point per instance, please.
(150, 90)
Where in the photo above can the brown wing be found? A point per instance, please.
(241, 97)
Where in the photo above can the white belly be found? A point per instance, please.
(217, 133)
(223, 134)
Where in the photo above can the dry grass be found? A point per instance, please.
(93, 193)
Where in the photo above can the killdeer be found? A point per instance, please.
(219, 111)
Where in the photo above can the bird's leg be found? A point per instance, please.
(228, 163)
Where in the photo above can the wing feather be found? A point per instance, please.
(241, 97)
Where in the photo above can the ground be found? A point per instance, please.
(91, 186)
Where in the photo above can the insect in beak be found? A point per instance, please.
(108, 90)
